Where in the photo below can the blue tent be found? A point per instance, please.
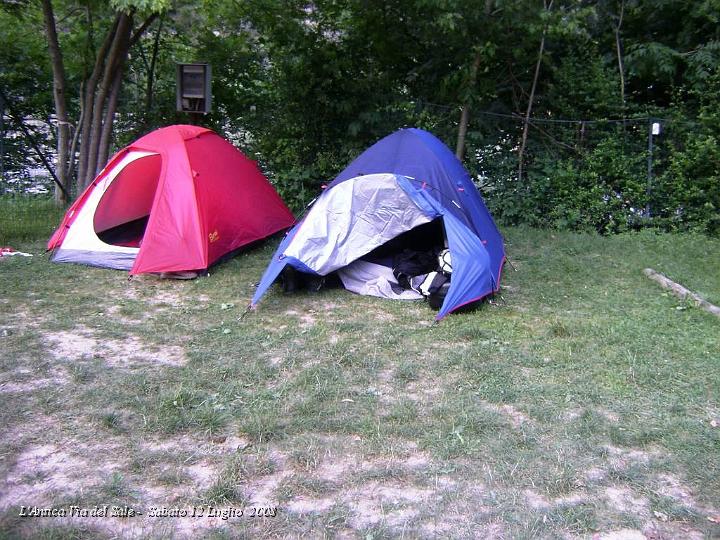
(402, 182)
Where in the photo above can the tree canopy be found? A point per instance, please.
(550, 103)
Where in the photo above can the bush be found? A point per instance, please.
(688, 193)
(602, 189)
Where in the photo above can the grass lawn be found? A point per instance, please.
(584, 403)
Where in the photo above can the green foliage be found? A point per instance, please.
(689, 190)
(687, 195)
(605, 187)
(304, 88)
(583, 86)
(653, 61)
(26, 81)
(141, 5)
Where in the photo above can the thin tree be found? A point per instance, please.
(151, 69)
(619, 50)
(99, 91)
(465, 114)
(101, 98)
(526, 124)
(61, 115)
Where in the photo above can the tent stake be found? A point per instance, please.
(245, 313)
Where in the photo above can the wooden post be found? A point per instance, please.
(2, 139)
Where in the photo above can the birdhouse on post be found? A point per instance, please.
(193, 88)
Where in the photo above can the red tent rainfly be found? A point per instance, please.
(175, 200)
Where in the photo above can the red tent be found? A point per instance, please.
(176, 199)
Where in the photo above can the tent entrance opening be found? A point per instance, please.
(122, 214)
(389, 271)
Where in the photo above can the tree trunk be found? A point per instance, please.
(531, 98)
(99, 95)
(63, 125)
(619, 50)
(151, 69)
(76, 137)
(106, 135)
(114, 63)
(2, 139)
(88, 102)
(465, 114)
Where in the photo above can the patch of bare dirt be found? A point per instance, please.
(422, 392)
(165, 298)
(275, 360)
(621, 458)
(217, 446)
(335, 468)
(660, 530)
(623, 499)
(309, 505)
(41, 473)
(383, 316)
(373, 488)
(164, 494)
(130, 352)
(595, 474)
(113, 312)
(264, 490)
(374, 502)
(307, 320)
(536, 501)
(164, 294)
(516, 417)
(464, 516)
(609, 415)
(45, 472)
(21, 319)
(620, 534)
(24, 380)
(571, 414)
(671, 486)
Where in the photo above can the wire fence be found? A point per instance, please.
(608, 174)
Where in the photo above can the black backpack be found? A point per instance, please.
(409, 263)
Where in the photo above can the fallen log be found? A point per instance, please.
(681, 292)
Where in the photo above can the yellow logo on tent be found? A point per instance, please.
(214, 236)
